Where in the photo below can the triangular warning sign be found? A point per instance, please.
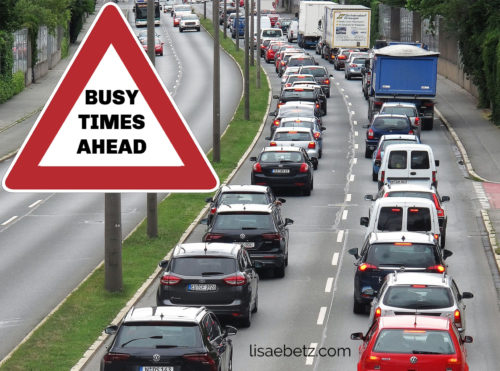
(110, 125)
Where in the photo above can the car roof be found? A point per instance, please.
(412, 187)
(286, 130)
(206, 248)
(258, 208)
(404, 201)
(399, 136)
(391, 237)
(399, 104)
(414, 322)
(281, 149)
(406, 146)
(298, 118)
(420, 278)
(228, 188)
(165, 314)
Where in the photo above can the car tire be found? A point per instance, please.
(230, 366)
(256, 304)
(358, 308)
(246, 320)
(443, 239)
(374, 176)
(280, 271)
(198, 29)
(348, 77)
(368, 152)
(180, 29)
(307, 190)
(328, 93)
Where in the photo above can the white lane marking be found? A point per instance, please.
(35, 203)
(349, 104)
(355, 122)
(353, 113)
(312, 352)
(356, 133)
(346, 96)
(9, 220)
(344, 214)
(355, 160)
(351, 178)
(321, 316)
(348, 197)
(340, 235)
(356, 146)
(335, 259)
(341, 89)
(329, 284)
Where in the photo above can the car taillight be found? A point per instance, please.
(317, 135)
(370, 134)
(276, 122)
(287, 85)
(236, 280)
(311, 145)
(317, 105)
(115, 357)
(457, 318)
(203, 358)
(282, 63)
(417, 121)
(379, 154)
(410, 132)
(440, 211)
(433, 177)
(378, 103)
(280, 104)
(365, 266)
(436, 236)
(272, 144)
(326, 81)
(372, 363)
(212, 237)
(382, 176)
(271, 236)
(454, 361)
(436, 268)
(213, 210)
(341, 57)
(353, 65)
(257, 168)
(304, 168)
(428, 104)
(169, 280)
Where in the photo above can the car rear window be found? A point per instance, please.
(408, 111)
(281, 157)
(419, 219)
(390, 123)
(297, 77)
(198, 266)
(390, 219)
(414, 342)
(402, 254)
(314, 71)
(243, 198)
(157, 335)
(300, 124)
(300, 61)
(243, 221)
(272, 33)
(294, 136)
(298, 93)
(359, 60)
(397, 160)
(419, 160)
(296, 111)
(418, 297)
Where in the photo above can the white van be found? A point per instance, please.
(402, 214)
(272, 34)
(293, 31)
(265, 22)
(408, 163)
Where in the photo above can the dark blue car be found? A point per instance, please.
(383, 124)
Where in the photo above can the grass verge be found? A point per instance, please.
(60, 342)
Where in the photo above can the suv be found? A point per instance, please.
(218, 276)
(385, 124)
(259, 228)
(432, 294)
(383, 253)
(321, 76)
(168, 338)
(189, 22)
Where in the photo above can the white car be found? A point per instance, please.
(189, 22)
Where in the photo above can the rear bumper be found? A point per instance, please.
(237, 306)
(262, 260)
(281, 181)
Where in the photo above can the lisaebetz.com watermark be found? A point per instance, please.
(297, 351)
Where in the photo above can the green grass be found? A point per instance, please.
(61, 341)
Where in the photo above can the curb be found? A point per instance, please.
(491, 236)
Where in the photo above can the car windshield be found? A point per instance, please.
(294, 136)
(275, 156)
(313, 71)
(298, 94)
(418, 297)
(402, 254)
(243, 221)
(183, 8)
(272, 33)
(408, 111)
(153, 335)
(197, 266)
(414, 342)
(243, 198)
(390, 123)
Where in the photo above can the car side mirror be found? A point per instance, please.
(204, 221)
(253, 158)
(230, 331)
(133, 9)
(163, 263)
(209, 199)
(288, 221)
(323, 128)
(354, 252)
(272, 114)
(367, 198)
(468, 339)
(436, 162)
(331, 75)
(445, 198)
(111, 330)
(447, 254)
(357, 336)
(282, 200)
(267, 138)
(314, 161)
(364, 221)
(467, 295)
(276, 96)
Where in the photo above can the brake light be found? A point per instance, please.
(271, 236)
(379, 154)
(378, 103)
(410, 132)
(378, 312)
(317, 135)
(317, 105)
(440, 211)
(236, 280)
(382, 176)
(457, 318)
(341, 56)
(417, 121)
(311, 145)
(304, 168)
(419, 286)
(169, 280)
(212, 237)
(213, 210)
(454, 361)
(202, 358)
(327, 81)
(428, 104)
(353, 65)
(287, 85)
(436, 236)
(115, 357)
(272, 144)
(257, 168)
(403, 244)
(433, 177)
(370, 134)
(436, 268)
(413, 210)
(276, 122)
(282, 63)
(280, 104)
(365, 266)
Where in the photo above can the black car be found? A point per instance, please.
(303, 94)
(169, 338)
(384, 253)
(218, 276)
(284, 167)
(259, 228)
(294, 109)
(321, 76)
(383, 124)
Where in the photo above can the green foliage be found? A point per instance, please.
(64, 47)
(78, 10)
(374, 30)
(8, 20)
(18, 82)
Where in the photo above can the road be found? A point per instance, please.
(312, 306)
(50, 242)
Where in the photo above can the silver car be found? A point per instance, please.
(432, 294)
(354, 64)
(296, 137)
(308, 123)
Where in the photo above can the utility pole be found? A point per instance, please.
(216, 84)
(225, 19)
(257, 48)
(151, 198)
(237, 24)
(113, 279)
(252, 30)
(247, 66)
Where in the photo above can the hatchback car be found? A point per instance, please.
(341, 57)
(158, 45)
(295, 137)
(302, 94)
(259, 228)
(189, 22)
(404, 108)
(385, 124)
(289, 71)
(310, 123)
(383, 253)
(284, 167)
(414, 342)
(352, 67)
(169, 338)
(321, 76)
(432, 294)
(219, 276)
(319, 91)
(282, 63)
(271, 50)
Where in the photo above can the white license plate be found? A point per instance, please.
(248, 245)
(398, 181)
(202, 287)
(281, 171)
(157, 368)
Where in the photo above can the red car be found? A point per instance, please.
(158, 46)
(413, 342)
(271, 50)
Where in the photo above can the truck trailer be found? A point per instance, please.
(310, 16)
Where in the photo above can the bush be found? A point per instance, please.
(18, 82)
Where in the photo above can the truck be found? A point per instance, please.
(344, 26)
(310, 15)
(404, 73)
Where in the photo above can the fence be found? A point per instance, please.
(20, 51)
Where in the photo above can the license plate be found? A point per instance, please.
(202, 287)
(157, 368)
(281, 171)
(398, 181)
(248, 245)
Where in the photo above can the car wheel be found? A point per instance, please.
(246, 320)
(307, 190)
(198, 29)
(256, 304)
(280, 271)
(374, 176)
(328, 93)
(358, 308)
(180, 29)
(368, 153)
(230, 366)
(345, 76)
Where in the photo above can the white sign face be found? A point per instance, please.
(351, 28)
(111, 124)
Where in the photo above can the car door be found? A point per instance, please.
(218, 342)
(282, 229)
(397, 166)
(460, 303)
(420, 165)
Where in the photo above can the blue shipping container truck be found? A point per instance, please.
(404, 73)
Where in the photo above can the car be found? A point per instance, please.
(284, 167)
(341, 57)
(240, 28)
(385, 252)
(271, 50)
(419, 191)
(431, 294)
(189, 22)
(321, 76)
(385, 124)
(178, 11)
(241, 194)
(301, 60)
(383, 143)
(295, 137)
(366, 76)
(404, 108)
(294, 109)
(293, 31)
(272, 33)
(297, 77)
(413, 342)
(158, 46)
(143, 34)
(284, 24)
(288, 71)
(303, 94)
(323, 102)
(168, 338)
(218, 276)
(309, 123)
(352, 67)
(282, 61)
(259, 228)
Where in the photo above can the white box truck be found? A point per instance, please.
(310, 15)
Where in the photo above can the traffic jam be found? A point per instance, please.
(415, 310)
